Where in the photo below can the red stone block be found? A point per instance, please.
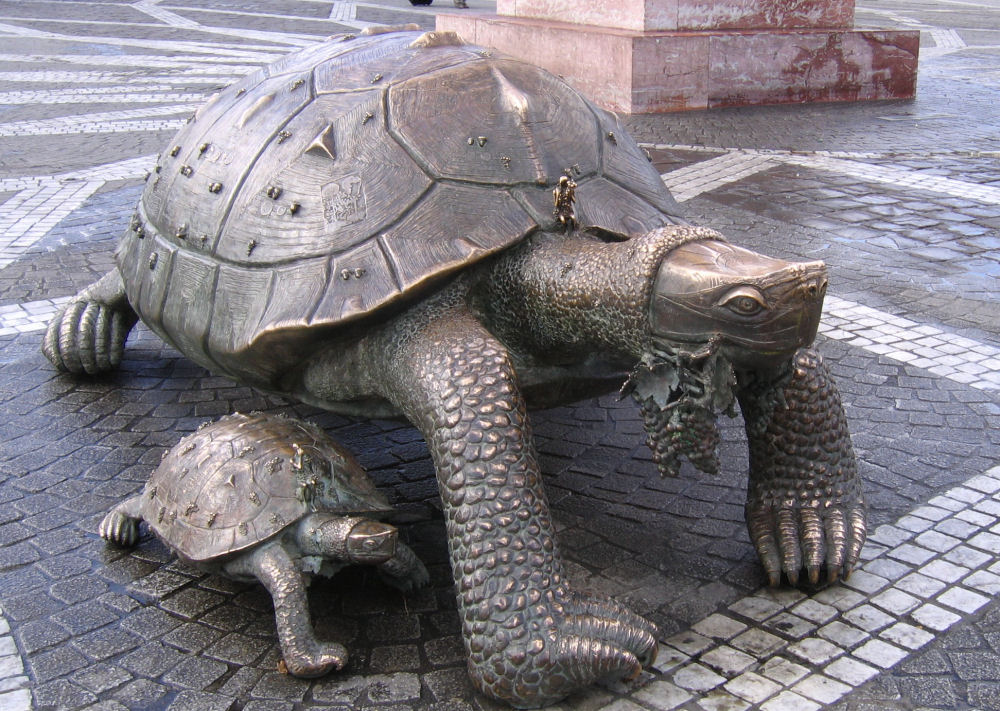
(652, 15)
(647, 72)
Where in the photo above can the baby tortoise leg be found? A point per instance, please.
(530, 639)
(404, 570)
(304, 655)
(121, 525)
(805, 508)
(88, 334)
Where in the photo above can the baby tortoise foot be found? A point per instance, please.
(404, 571)
(121, 524)
(308, 659)
(88, 334)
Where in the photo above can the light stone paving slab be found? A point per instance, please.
(708, 175)
(88, 123)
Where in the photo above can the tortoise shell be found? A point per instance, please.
(243, 479)
(353, 174)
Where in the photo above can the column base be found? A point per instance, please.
(663, 71)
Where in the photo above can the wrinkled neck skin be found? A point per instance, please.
(557, 298)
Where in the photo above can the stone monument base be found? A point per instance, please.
(675, 70)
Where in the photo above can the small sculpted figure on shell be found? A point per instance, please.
(272, 499)
(368, 225)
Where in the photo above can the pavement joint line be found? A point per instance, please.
(821, 647)
(60, 96)
(681, 180)
(151, 61)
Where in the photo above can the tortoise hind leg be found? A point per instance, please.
(303, 654)
(88, 334)
(121, 524)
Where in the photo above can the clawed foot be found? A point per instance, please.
(87, 337)
(561, 648)
(119, 528)
(308, 660)
(790, 537)
(404, 571)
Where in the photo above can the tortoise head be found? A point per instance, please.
(759, 309)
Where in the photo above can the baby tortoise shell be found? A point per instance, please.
(243, 479)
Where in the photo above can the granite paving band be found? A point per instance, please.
(901, 199)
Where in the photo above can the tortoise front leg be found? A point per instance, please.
(530, 639)
(303, 654)
(88, 334)
(805, 508)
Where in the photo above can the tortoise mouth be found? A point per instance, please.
(759, 310)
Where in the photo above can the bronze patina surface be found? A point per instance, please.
(270, 499)
(368, 225)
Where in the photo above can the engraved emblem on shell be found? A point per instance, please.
(344, 201)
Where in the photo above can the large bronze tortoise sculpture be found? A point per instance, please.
(368, 225)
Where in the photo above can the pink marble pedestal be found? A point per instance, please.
(646, 56)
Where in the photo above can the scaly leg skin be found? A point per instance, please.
(530, 640)
(304, 656)
(804, 506)
(121, 524)
(88, 334)
(404, 570)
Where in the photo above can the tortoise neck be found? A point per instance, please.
(563, 297)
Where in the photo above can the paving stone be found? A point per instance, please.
(662, 695)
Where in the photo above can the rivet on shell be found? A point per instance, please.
(204, 424)
(283, 136)
(358, 273)
(191, 508)
(368, 117)
(294, 207)
(182, 232)
(376, 79)
(152, 492)
(273, 192)
(153, 258)
(251, 246)
(140, 232)
(505, 160)
(162, 512)
(214, 187)
(211, 519)
(481, 141)
(612, 137)
(297, 83)
(174, 151)
(202, 148)
(254, 499)
(273, 465)
(243, 528)
(241, 92)
(276, 520)
(246, 451)
(187, 447)
(187, 171)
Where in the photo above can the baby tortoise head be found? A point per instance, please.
(760, 309)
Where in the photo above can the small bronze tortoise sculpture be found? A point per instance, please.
(276, 500)
(368, 225)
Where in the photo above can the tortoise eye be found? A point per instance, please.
(745, 301)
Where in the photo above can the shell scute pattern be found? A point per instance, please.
(348, 185)
(208, 501)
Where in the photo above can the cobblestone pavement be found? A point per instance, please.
(902, 199)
